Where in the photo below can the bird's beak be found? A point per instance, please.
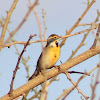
(60, 38)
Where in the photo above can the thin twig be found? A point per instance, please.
(17, 65)
(22, 42)
(84, 24)
(71, 72)
(66, 36)
(36, 95)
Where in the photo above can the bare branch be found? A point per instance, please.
(22, 22)
(53, 72)
(85, 36)
(17, 65)
(66, 92)
(7, 22)
(20, 42)
(76, 85)
(77, 22)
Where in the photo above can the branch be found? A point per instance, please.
(20, 42)
(85, 36)
(76, 85)
(24, 61)
(72, 72)
(53, 72)
(6, 23)
(22, 22)
(19, 58)
(78, 21)
(40, 91)
(91, 28)
(36, 95)
(84, 24)
(66, 92)
(80, 45)
(45, 91)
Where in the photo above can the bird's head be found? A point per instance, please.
(53, 40)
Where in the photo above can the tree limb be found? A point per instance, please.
(53, 72)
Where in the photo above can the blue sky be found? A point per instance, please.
(60, 16)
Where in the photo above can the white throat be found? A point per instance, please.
(53, 44)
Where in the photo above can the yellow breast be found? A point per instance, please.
(49, 57)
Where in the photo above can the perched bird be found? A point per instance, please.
(49, 55)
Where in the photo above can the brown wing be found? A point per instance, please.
(37, 70)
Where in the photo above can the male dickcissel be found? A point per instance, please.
(49, 55)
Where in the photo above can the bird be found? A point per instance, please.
(49, 55)
(47, 58)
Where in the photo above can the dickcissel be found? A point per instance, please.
(49, 55)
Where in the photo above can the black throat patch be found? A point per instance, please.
(56, 44)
